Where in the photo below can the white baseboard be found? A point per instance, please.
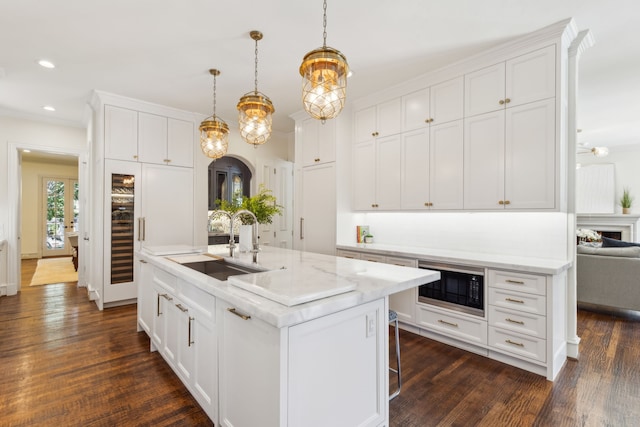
(8, 289)
(29, 256)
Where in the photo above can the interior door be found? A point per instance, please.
(60, 210)
(277, 176)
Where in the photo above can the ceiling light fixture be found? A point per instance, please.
(48, 108)
(596, 151)
(255, 109)
(214, 132)
(46, 64)
(324, 74)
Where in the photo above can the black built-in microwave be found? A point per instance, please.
(459, 288)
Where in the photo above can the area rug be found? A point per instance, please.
(54, 270)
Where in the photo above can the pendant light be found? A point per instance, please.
(324, 79)
(255, 109)
(214, 132)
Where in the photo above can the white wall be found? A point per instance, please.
(32, 201)
(626, 160)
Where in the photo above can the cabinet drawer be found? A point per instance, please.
(521, 282)
(470, 330)
(518, 301)
(372, 257)
(348, 254)
(405, 262)
(518, 321)
(168, 281)
(200, 301)
(521, 345)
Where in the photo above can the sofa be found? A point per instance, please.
(608, 277)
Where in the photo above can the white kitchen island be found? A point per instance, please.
(317, 357)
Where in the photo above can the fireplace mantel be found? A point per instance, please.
(626, 224)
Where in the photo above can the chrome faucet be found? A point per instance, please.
(232, 240)
(254, 239)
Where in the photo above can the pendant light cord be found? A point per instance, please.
(324, 24)
(214, 96)
(256, 70)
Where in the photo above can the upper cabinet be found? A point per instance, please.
(483, 140)
(440, 103)
(120, 133)
(523, 79)
(317, 141)
(378, 121)
(147, 138)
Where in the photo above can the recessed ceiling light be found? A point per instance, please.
(26, 151)
(49, 108)
(46, 64)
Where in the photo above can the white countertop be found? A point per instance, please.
(295, 274)
(472, 259)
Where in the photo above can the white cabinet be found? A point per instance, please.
(163, 140)
(149, 138)
(167, 205)
(152, 138)
(250, 371)
(145, 306)
(317, 222)
(184, 332)
(517, 314)
(287, 377)
(120, 133)
(510, 158)
(317, 141)
(432, 167)
(378, 121)
(440, 103)
(376, 173)
(523, 79)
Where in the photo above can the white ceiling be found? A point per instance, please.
(160, 51)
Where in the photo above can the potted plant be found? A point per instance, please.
(626, 201)
(263, 205)
(368, 238)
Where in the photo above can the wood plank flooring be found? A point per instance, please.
(64, 363)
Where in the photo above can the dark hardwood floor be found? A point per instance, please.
(64, 363)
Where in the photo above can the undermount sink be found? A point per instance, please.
(220, 269)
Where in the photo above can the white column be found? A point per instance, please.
(583, 41)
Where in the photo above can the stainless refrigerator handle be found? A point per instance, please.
(144, 229)
(301, 228)
(141, 229)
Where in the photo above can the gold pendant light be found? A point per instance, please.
(324, 79)
(214, 132)
(255, 109)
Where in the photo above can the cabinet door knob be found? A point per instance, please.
(431, 120)
(135, 157)
(501, 102)
(506, 202)
(506, 101)
(316, 160)
(501, 202)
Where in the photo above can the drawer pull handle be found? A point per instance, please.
(515, 282)
(182, 308)
(519, 301)
(519, 322)
(519, 344)
(448, 323)
(243, 316)
(167, 297)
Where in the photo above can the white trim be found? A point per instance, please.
(14, 176)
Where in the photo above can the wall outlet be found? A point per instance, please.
(371, 325)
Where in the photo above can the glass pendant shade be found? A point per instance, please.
(324, 82)
(255, 118)
(214, 138)
(255, 109)
(214, 132)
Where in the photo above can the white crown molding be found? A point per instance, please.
(6, 112)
